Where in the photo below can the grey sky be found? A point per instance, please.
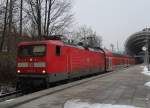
(114, 20)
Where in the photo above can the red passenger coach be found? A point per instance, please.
(49, 61)
(121, 61)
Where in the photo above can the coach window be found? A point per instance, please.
(58, 50)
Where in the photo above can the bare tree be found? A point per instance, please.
(37, 17)
(8, 24)
(2, 11)
(49, 16)
(87, 35)
(21, 7)
(5, 25)
(112, 47)
(10, 17)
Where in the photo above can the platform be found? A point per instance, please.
(123, 87)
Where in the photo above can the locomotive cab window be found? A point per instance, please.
(58, 50)
(32, 50)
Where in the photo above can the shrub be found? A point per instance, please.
(7, 67)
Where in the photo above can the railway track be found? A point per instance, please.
(14, 94)
(10, 95)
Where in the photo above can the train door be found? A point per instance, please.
(109, 63)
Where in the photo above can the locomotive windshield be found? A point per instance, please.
(32, 50)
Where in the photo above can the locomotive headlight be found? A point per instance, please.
(18, 71)
(39, 64)
(43, 71)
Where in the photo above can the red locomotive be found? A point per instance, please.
(44, 62)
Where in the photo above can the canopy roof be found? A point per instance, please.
(136, 41)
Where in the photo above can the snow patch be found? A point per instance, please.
(142, 66)
(147, 84)
(78, 104)
(145, 71)
(9, 100)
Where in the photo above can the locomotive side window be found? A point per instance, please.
(58, 50)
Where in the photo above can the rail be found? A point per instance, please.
(6, 96)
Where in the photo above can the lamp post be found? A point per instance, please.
(146, 49)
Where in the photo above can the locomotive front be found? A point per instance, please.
(31, 64)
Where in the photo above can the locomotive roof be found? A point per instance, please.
(56, 42)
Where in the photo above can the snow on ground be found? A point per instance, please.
(142, 66)
(78, 104)
(147, 84)
(145, 71)
(9, 100)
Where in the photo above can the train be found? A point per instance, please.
(41, 63)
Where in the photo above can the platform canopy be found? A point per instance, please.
(136, 41)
